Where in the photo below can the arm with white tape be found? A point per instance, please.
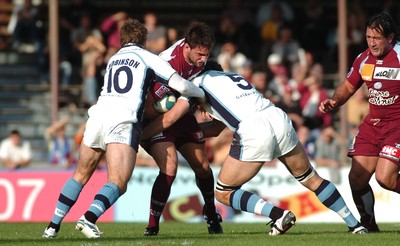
(185, 87)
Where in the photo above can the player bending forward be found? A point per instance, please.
(262, 132)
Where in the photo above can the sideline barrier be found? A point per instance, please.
(32, 195)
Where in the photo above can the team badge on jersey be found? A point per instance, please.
(367, 72)
(378, 85)
(198, 135)
(160, 90)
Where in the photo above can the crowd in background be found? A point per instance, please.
(285, 54)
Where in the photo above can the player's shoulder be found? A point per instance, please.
(365, 54)
(173, 51)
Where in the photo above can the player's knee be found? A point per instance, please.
(386, 183)
(203, 172)
(223, 192)
(307, 175)
(358, 180)
(354, 182)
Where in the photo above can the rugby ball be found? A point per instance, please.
(165, 103)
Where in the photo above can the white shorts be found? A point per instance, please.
(107, 126)
(264, 136)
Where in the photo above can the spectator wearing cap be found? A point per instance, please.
(274, 62)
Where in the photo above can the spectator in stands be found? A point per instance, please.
(230, 58)
(259, 79)
(111, 26)
(328, 152)
(15, 152)
(70, 18)
(282, 92)
(266, 11)
(157, 34)
(269, 29)
(274, 62)
(172, 36)
(227, 31)
(72, 12)
(43, 64)
(93, 51)
(25, 36)
(306, 140)
(238, 13)
(79, 34)
(357, 107)
(311, 28)
(286, 46)
(298, 73)
(243, 21)
(60, 146)
(247, 70)
(355, 34)
(312, 94)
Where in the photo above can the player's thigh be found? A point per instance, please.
(166, 157)
(236, 173)
(195, 155)
(87, 163)
(121, 160)
(387, 173)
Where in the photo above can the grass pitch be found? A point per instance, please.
(175, 233)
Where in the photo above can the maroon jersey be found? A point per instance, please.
(382, 77)
(186, 129)
(174, 55)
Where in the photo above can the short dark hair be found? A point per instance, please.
(384, 24)
(211, 65)
(15, 132)
(133, 32)
(200, 35)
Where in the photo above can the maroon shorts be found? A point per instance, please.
(377, 138)
(185, 130)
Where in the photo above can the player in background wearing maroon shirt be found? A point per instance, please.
(376, 147)
(188, 57)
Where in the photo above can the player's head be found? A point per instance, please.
(211, 65)
(381, 33)
(133, 32)
(15, 137)
(199, 42)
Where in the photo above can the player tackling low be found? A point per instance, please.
(262, 132)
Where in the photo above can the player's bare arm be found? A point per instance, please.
(166, 120)
(340, 97)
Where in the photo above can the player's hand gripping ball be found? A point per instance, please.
(165, 104)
